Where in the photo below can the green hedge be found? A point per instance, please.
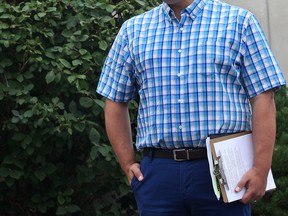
(55, 158)
(54, 155)
(276, 203)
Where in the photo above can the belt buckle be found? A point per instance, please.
(180, 150)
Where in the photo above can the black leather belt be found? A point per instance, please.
(176, 154)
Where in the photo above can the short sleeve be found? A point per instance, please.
(116, 81)
(260, 70)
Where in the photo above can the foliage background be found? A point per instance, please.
(55, 158)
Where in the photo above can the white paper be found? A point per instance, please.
(211, 168)
(237, 157)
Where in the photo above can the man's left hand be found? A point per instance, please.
(255, 183)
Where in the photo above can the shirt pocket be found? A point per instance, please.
(218, 56)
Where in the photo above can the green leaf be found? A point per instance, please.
(86, 102)
(19, 163)
(67, 33)
(96, 110)
(124, 189)
(34, 100)
(9, 181)
(83, 38)
(4, 172)
(61, 210)
(26, 8)
(76, 62)
(6, 43)
(51, 9)
(49, 168)
(42, 207)
(100, 103)
(109, 8)
(68, 192)
(73, 208)
(30, 150)
(106, 19)
(41, 14)
(103, 45)
(18, 136)
(83, 51)
(72, 22)
(50, 54)
(65, 63)
(50, 77)
(28, 113)
(60, 199)
(4, 26)
(15, 120)
(15, 112)
(94, 152)
(141, 3)
(94, 136)
(20, 101)
(8, 159)
(20, 78)
(16, 174)
(80, 126)
(71, 78)
(87, 56)
(104, 150)
(36, 198)
(55, 100)
(5, 62)
(40, 174)
(5, 16)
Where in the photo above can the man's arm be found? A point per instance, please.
(264, 132)
(118, 128)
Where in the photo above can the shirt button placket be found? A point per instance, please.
(180, 75)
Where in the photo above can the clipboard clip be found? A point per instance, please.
(219, 172)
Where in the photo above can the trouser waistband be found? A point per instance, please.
(176, 154)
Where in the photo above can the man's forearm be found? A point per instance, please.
(119, 132)
(264, 130)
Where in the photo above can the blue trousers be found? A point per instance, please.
(173, 188)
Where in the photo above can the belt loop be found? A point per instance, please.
(151, 152)
(187, 153)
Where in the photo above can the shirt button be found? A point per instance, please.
(193, 17)
(179, 50)
(180, 127)
(180, 100)
(181, 29)
(179, 74)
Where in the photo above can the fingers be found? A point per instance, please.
(243, 182)
(134, 170)
(254, 188)
(252, 194)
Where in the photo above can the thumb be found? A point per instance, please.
(241, 184)
(135, 169)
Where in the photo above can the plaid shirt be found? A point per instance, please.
(194, 77)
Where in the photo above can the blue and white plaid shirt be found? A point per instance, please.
(193, 77)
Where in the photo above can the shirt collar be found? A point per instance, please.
(193, 9)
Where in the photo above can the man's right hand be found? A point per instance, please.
(134, 170)
(118, 128)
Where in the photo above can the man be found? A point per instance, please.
(199, 67)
